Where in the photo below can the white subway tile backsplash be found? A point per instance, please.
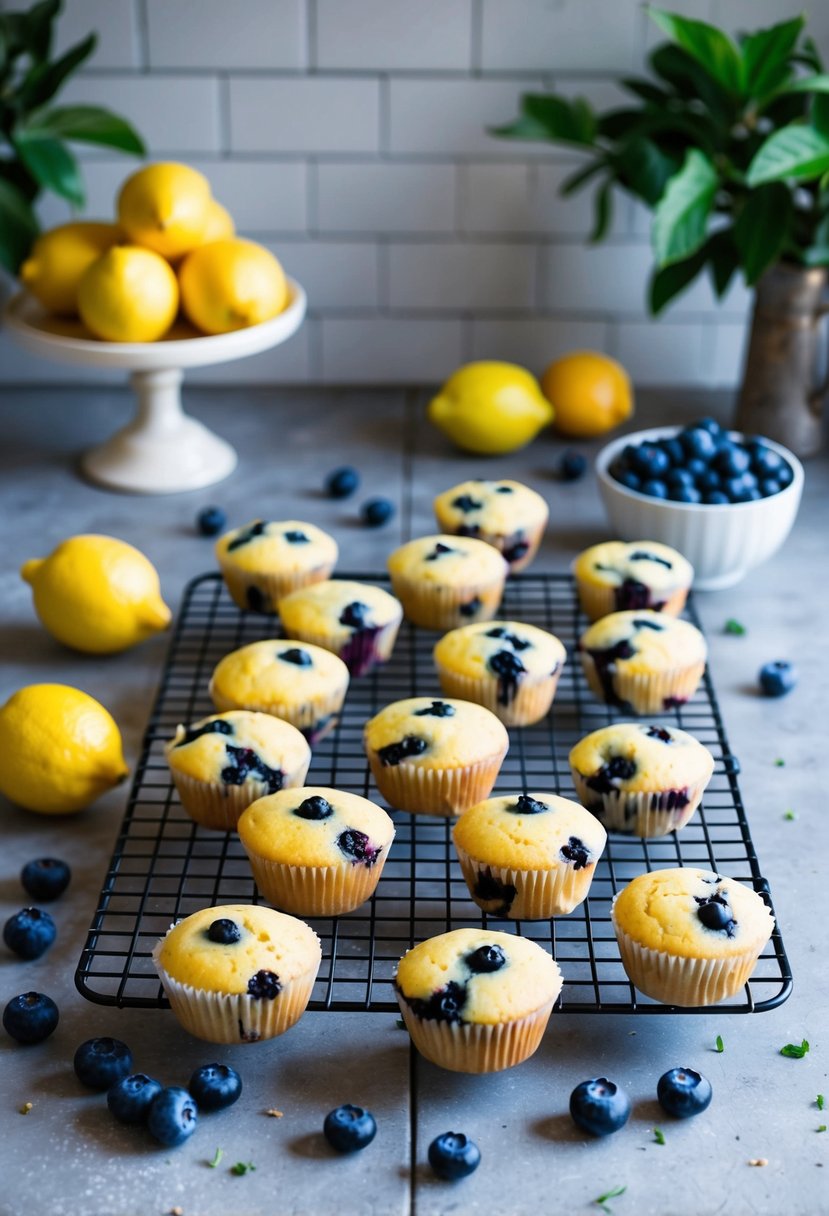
(572, 215)
(390, 35)
(536, 341)
(495, 198)
(335, 274)
(114, 23)
(559, 35)
(380, 350)
(473, 277)
(175, 114)
(663, 352)
(451, 117)
(304, 114)
(606, 278)
(262, 196)
(385, 198)
(215, 34)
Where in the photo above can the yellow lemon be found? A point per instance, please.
(231, 284)
(490, 408)
(590, 393)
(219, 223)
(165, 207)
(59, 258)
(59, 749)
(128, 295)
(97, 594)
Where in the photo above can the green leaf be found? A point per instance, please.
(815, 255)
(44, 80)
(765, 56)
(691, 81)
(796, 151)
(819, 83)
(580, 178)
(794, 1051)
(820, 1101)
(18, 227)
(720, 1046)
(217, 1156)
(710, 47)
(645, 90)
(681, 216)
(51, 164)
(723, 261)
(87, 124)
(659, 1135)
(820, 113)
(668, 282)
(39, 27)
(762, 228)
(550, 117)
(645, 168)
(602, 212)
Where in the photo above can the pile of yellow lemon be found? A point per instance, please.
(172, 248)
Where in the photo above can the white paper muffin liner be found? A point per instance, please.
(473, 1047)
(213, 804)
(317, 890)
(315, 718)
(364, 651)
(539, 894)
(597, 602)
(273, 586)
(436, 607)
(436, 791)
(533, 698)
(644, 813)
(647, 693)
(675, 980)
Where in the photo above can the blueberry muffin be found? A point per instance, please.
(528, 856)
(304, 685)
(477, 1001)
(512, 669)
(238, 973)
(445, 581)
(435, 757)
(641, 780)
(316, 851)
(643, 662)
(357, 621)
(264, 561)
(223, 763)
(689, 937)
(505, 514)
(620, 575)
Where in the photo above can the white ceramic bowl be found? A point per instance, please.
(722, 542)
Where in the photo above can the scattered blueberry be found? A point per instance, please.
(683, 1092)
(342, 482)
(376, 512)
(778, 678)
(29, 933)
(349, 1128)
(129, 1099)
(99, 1063)
(172, 1116)
(572, 466)
(453, 1155)
(30, 1017)
(599, 1107)
(215, 1086)
(211, 521)
(46, 878)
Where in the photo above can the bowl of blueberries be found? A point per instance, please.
(726, 501)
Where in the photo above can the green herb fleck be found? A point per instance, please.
(242, 1167)
(659, 1135)
(820, 1101)
(779, 763)
(734, 628)
(789, 815)
(612, 1194)
(217, 1156)
(719, 1045)
(822, 1127)
(793, 1052)
(400, 1024)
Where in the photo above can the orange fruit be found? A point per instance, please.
(590, 393)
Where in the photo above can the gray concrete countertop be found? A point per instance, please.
(67, 1156)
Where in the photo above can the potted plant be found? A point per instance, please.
(728, 145)
(34, 133)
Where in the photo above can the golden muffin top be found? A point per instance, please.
(285, 546)
(434, 733)
(656, 566)
(498, 507)
(337, 607)
(448, 561)
(536, 831)
(276, 671)
(634, 757)
(316, 826)
(644, 641)
(238, 746)
(471, 649)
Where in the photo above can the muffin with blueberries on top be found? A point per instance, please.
(357, 621)
(265, 560)
(643, 662)
(446, 581)
(619, 575)
(506, 514)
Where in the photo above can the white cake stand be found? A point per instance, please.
(163, 450)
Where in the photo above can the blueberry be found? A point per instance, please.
(697, 468)
(453, 1155)
(674, 450)
(30, 1017)
(264, 986)
(395, 753)
(654, 488)
(211, 521)
(765, 462)
(628, 478)
(349, 1128)
(683, 1092)
(215, 1086)
(715, 913)
(300, 658)
(315, 807)
(685, 494)
(29, 933)
(649, 460)
(769, 486)
(698, 442)
(224, 931)
(576, 852)
(679, 477)
(357, 846)
(710, 425)
(707, 480)
(599, 1107)
(785, 475)
(736, 489)
(572, 466)
(716, 498)
(777, 678)
(342, 482)
(486, 959)
(172, 1116)
(99, 1063)
(129, 1099)
(731, 460)
(376, 512)
(46, 878)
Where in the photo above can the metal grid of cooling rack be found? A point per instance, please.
(164, 866)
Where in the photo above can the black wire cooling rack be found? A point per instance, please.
(164, 866)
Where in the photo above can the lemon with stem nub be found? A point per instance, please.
(58, 260)
(165, 207)
(230, 285)
(97, 594)
(59, 749)
(490, 407)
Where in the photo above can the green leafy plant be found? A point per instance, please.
(34, 133)
(728, 145)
